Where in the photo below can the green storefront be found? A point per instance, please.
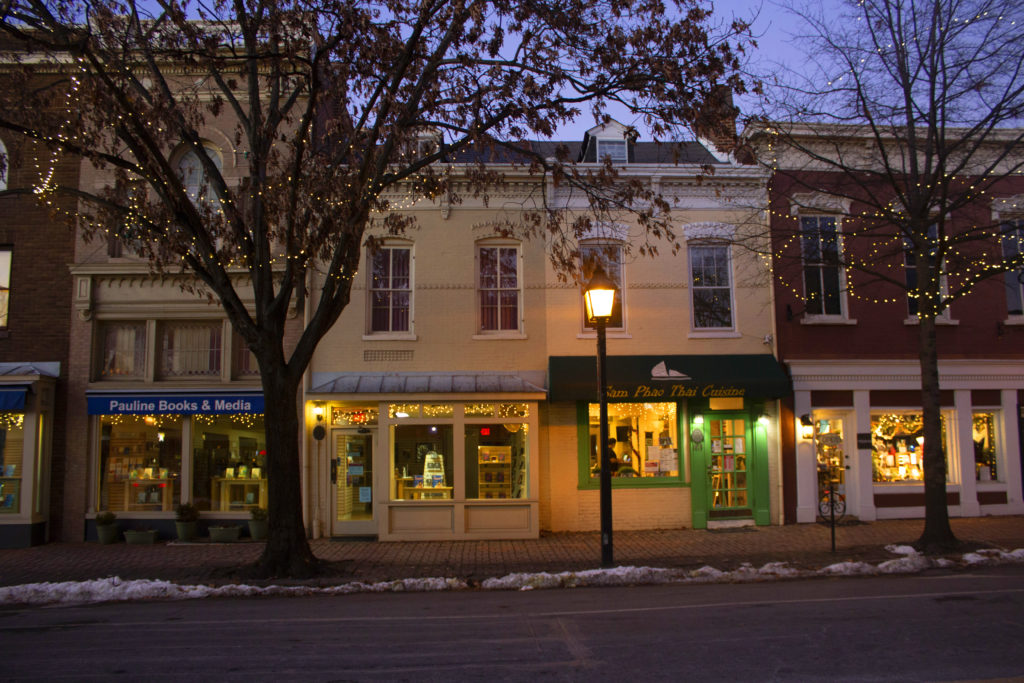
(706, 422)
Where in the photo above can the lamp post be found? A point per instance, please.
(600, 297)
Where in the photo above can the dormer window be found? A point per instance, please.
(615, 150)
(608, 142)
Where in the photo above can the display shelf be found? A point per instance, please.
(494, 477)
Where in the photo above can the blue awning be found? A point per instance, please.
(13, 397)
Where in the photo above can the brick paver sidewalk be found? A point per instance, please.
(801, 545)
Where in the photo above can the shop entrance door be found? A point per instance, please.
(729, 444)
(351, 467)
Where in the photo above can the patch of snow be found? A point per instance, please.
(901, 550)
(114, 589)
(848, 569)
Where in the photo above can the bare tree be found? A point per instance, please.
(901, 122)
(331, 103)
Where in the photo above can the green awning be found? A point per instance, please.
(668, 378)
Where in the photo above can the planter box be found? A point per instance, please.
(186, 530)
(107, 533)
(135, 537)
(258, 529)
(224, 534)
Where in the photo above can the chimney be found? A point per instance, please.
(716, 122)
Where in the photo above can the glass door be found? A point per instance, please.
(351, 466)
(728, 448)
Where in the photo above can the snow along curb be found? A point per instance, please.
(114, 589)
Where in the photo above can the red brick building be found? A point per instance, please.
(849, 338)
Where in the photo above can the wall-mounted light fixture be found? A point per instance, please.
(763, 419)
(806, 426)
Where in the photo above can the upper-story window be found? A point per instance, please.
(499, 288)
(615, 150)
(823, 276)
(122, 350)
(910, 268)
(195, 178)
(190, 349)
(609, 254)
(711, 286)
(5, 286)
(390, 289)
(5, 166)
(1012, 240)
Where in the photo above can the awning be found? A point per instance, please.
(12, 397)
(168, 402)
(668, 378)
(428, 383)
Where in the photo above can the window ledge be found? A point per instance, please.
(827, 320)
(712, 334)
(500, 336)
(1010, 320)
(390, 336)
(941, 320)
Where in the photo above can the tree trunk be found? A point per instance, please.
(287, 552)
(937, 536)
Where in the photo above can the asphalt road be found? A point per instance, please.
(935, 627)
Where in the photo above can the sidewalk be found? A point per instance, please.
(804, 546)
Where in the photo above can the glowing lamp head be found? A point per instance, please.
(599, 295)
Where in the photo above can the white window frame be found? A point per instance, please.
(6, 264)
(944, 317)
(390, 334)
(808, 318)
(723, 331)
(517, 332)
(617, 150)
(193, 184)
(1017, 222)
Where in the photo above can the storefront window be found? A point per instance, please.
(422, 463)
(228, 462)
(897, 447)
(140, 462)
(12, 447)
(646, 440)
(496, 457)
(359, 416)
(983, 434)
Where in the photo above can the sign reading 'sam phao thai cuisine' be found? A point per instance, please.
(667, 378)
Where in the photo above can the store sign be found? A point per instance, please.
(864, 441)
(669, 378)
(180, 404)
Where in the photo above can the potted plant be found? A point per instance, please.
(106, 528)
(186, 517)
(258, 524)
(225, 534)
(140, 536)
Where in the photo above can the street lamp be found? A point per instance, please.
(599, 298)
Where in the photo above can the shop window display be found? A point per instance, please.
(897, 447)
(983, 434)
(646, 440)
(496, 458)
(12, 447)
(228, 462)
(140, 463)
(422, 462)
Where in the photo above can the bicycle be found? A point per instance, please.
(832, 502)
